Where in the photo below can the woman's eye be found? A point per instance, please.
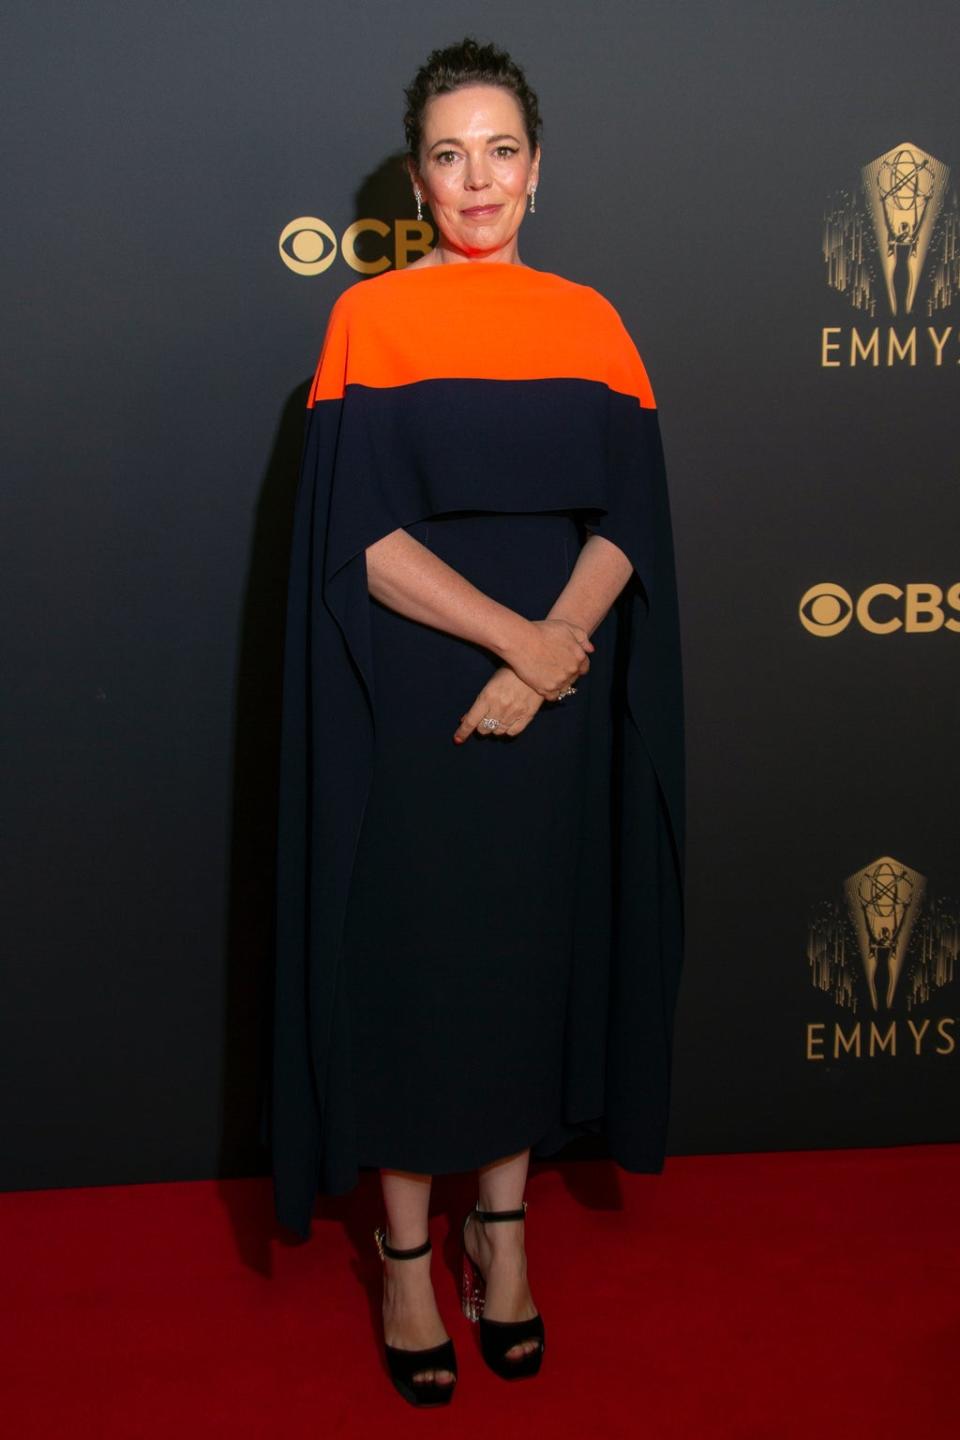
(444, 157)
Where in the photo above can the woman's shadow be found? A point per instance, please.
(385, 194)
(248, 998)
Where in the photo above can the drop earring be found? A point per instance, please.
(419, 205)
(533, 201)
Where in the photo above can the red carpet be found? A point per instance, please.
(755, 1297)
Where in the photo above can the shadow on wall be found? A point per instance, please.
(248, 1008)
(385, 194)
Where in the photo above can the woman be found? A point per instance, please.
(481, 812)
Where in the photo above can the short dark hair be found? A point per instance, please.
(468, 63)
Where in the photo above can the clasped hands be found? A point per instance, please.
(550, 655)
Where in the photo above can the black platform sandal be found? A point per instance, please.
(404, 1364)
(499, 1336)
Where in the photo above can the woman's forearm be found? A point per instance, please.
(408, 577)
(601, 572)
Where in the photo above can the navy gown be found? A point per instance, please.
(478, 945)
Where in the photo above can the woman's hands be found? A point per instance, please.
(550, 655)
(506, 697)
(554, 655)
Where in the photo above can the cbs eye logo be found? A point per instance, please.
(308, 246)
(827, 609)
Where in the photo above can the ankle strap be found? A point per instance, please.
(389, 1251)
(485, 1216)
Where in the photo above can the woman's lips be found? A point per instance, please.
(480, 210)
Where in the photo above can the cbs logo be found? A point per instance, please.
(918, 609)
(309, 246)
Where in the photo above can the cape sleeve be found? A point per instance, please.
(637, 518)
(326, 746)
(634, 514)
(647, 935)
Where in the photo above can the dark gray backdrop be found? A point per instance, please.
(156, 353)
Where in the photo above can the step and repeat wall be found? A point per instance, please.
(769, 195)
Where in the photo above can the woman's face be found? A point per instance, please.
(477, 169)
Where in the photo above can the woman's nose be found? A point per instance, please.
(477, 177)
